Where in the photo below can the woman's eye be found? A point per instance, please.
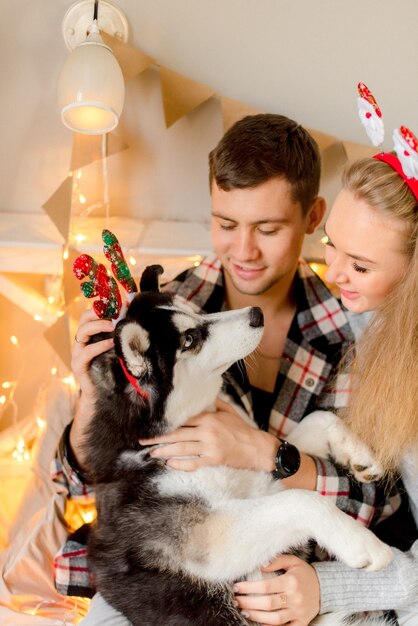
(360, 269)
(188, 341)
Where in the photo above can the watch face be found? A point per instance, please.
(289, 459)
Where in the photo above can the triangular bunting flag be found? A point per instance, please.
(58, 207)
(88, 148)
(70, 284)
(234, 110)
(322, 139)
(333, 160)
(181, 95)
(356, 151)
(131, 60)
(58, 337)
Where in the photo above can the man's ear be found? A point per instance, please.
(315, 215)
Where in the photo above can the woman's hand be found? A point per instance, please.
(82, 355)
(212, 439)
(292, 598)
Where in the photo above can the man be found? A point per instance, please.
(264, 181)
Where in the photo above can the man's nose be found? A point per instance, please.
(244, 247)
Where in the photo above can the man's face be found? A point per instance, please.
(257, 233)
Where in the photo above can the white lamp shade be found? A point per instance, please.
(91, 88)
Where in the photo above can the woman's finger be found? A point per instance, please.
(273, 618)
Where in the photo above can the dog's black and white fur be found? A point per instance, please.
(167, 545)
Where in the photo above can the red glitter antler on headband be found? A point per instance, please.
(98, 283)
(405, 162)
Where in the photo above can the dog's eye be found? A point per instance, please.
(188, 341)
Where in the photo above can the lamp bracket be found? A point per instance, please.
(79, 17)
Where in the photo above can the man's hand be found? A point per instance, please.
(292, 598)
(212, 439)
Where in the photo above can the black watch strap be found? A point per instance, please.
(287, 460)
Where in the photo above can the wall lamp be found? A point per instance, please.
(91, 89)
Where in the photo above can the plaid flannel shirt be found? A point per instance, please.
(318, 337)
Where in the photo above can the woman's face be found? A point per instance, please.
(365, 253)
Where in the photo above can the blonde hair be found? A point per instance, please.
(383, 407)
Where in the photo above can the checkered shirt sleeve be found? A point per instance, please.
(72, 573)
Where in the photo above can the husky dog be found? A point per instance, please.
(168, 545)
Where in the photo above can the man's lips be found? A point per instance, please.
(246, 271)
(350, 295)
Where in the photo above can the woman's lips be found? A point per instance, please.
(350, 295)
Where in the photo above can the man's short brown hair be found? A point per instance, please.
(260, 147)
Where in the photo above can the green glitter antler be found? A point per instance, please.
(113, 252)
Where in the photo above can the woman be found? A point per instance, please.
(373, 259)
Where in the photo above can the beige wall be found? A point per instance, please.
(302, 58)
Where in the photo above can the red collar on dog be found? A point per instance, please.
(134, 381)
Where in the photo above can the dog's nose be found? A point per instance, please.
(256, 317)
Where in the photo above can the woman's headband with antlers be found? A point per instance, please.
(405, 144)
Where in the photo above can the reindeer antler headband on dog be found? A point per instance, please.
(100, 283)
(405, 161)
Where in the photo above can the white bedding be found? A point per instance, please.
(27, 592)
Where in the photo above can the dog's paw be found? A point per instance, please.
(324, 434)
(349, 451)
(364, 550)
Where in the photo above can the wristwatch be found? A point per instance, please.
(287, 460)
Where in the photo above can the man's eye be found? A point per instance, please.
(188, 341)
(227, 226)
(267, 232)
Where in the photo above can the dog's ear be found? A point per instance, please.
(132, 342)
(150, 278)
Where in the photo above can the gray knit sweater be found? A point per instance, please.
(395, 587)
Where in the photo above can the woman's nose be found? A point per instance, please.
(336, 266)
(335, 272)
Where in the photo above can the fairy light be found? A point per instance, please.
(51, 299)
(14, 340)
(2, 399)
(325, 240)
(20, 453)
(132, 260)
(65, 254)
(70, 381)
(7, 384)
(38, 318)
(79, 238)
(54, 371)
(40, 422)
(82, 198)
(196, 260)
(88, 516)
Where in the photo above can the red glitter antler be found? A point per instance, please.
(100, 284)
